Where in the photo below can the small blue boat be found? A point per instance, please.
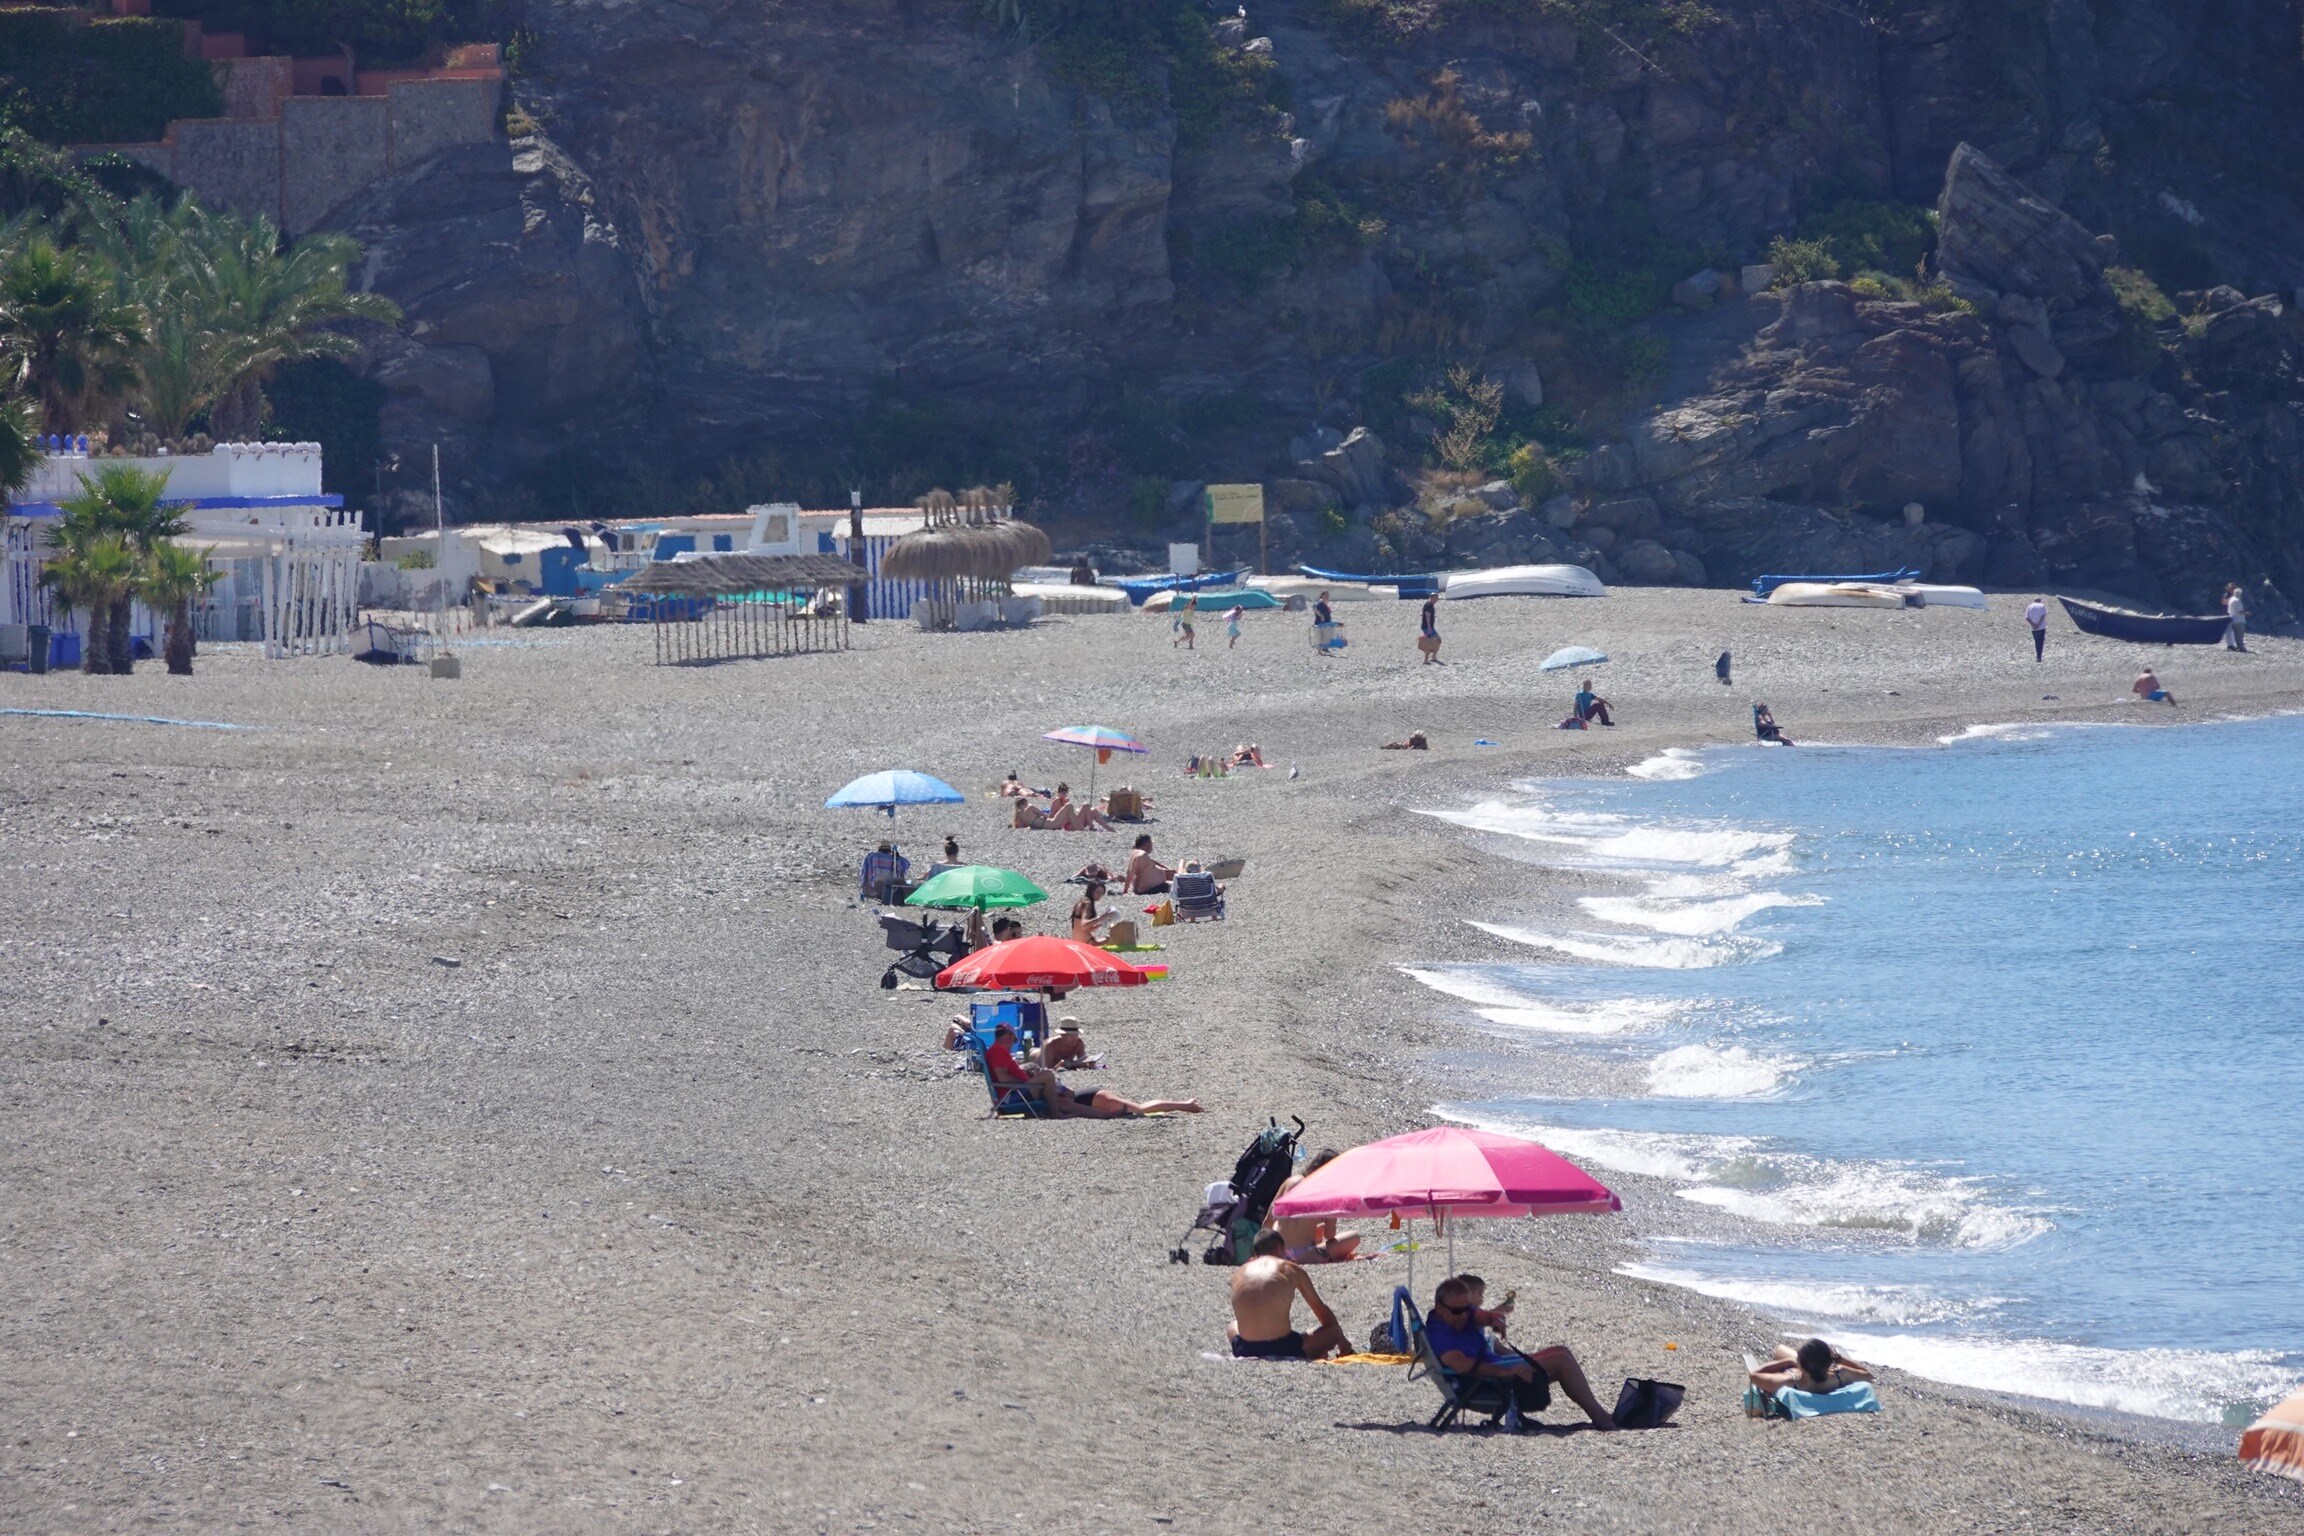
(1139, 588)
(1763, 585)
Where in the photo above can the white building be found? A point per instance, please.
(288, 553)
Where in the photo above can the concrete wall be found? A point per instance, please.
(230, 165)
(330, 147)
(254, 88)
(429, 116)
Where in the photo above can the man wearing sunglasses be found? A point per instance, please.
(1460, 1339)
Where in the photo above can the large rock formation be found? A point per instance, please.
(748, 229)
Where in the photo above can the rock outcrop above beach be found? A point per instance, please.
(902, 240)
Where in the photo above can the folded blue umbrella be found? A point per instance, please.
(892, 787)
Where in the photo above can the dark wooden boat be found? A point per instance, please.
(2152, 628)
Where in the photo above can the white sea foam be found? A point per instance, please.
(1672, 763)
(1517, 1010)
(1898, 1306)
(1759, 1181)
(1664, 913)
(1716, 1072)
(1877, 1197)
(1664, 953)
(2200, 1386)
(2010, 731)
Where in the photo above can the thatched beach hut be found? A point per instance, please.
(719, 606)
(964, 567)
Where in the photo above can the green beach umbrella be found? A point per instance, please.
(976, 885)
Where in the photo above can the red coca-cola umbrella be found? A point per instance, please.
(1039, 964)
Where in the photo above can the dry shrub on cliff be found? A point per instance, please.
(1441, 116)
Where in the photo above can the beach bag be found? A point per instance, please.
(1124, 804)
(1428, 644)
(1164, 915)
(1228, 869)
(1121, 935)
(1646, 1403)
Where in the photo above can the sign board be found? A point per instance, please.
(1183, 559)
(1236, 503)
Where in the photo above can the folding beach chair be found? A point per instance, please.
(1011, 1101)
(1196, 898)
(1458, 1394)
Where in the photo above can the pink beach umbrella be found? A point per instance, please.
(1446, 1172)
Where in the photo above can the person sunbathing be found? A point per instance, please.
(1104, 1104)
(1414, 743)
(1313, 1239)
(1087, 920)
(1014, 788)
(1068, 817)
(1248, 755)
(1814, 1367)
(1264, 1292)
(1030, 818)
(1065, 1048)
(1145, 875)
(1458, 1331)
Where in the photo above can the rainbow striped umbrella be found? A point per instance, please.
(1103, 739)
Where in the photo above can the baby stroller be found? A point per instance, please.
(1234, 1208)
(924, 948)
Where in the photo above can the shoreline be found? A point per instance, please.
(1567, 884)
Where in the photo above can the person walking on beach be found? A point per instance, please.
(2036, 615)
(1232, 625)
(1180, 628)
(1428, 630)
(2236, 608)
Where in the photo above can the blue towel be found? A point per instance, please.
(1856, 1397)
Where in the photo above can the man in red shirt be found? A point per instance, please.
(1000, 1060)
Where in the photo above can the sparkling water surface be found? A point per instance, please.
(1988, 1059)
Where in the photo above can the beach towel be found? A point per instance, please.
(1792, 1403)
(1367, 1359)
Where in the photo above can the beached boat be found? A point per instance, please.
(2152, 628)
(1522, 581)
(1139, 588)
(1417, 587)
(1210, 602)
(1763, 585)
(1843, 594)
(1935, 596)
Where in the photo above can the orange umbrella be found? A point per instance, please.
(2275, 1442)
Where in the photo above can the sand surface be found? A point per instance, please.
(652, 1212)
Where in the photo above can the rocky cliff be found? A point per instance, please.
(900, 241)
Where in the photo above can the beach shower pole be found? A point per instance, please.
(856, 556)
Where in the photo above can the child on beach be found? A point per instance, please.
(1180, 629)
(1232, 625)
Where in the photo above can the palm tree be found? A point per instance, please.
(96, 576)
(62, 334)
(155, 267)
(270, 308)
(19, 445)
(173, 576)
(119, 503)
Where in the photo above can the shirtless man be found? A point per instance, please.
(1264, 1292)
(1145, 875)
(1313, 1239)
(2147, 687)
(1814, 1367)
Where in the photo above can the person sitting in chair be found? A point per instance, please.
(1764, 726)
(1264, 1292)
(1000, 1060)
(1145, 875)
(1814, 1367)
(1458, 1331)
(882, 877)
(1313, 1239)
(1590, 706)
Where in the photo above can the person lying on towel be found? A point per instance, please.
(1814, 1367)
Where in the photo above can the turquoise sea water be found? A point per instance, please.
(1986, 1059)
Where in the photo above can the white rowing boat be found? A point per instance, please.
(1522, 581)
